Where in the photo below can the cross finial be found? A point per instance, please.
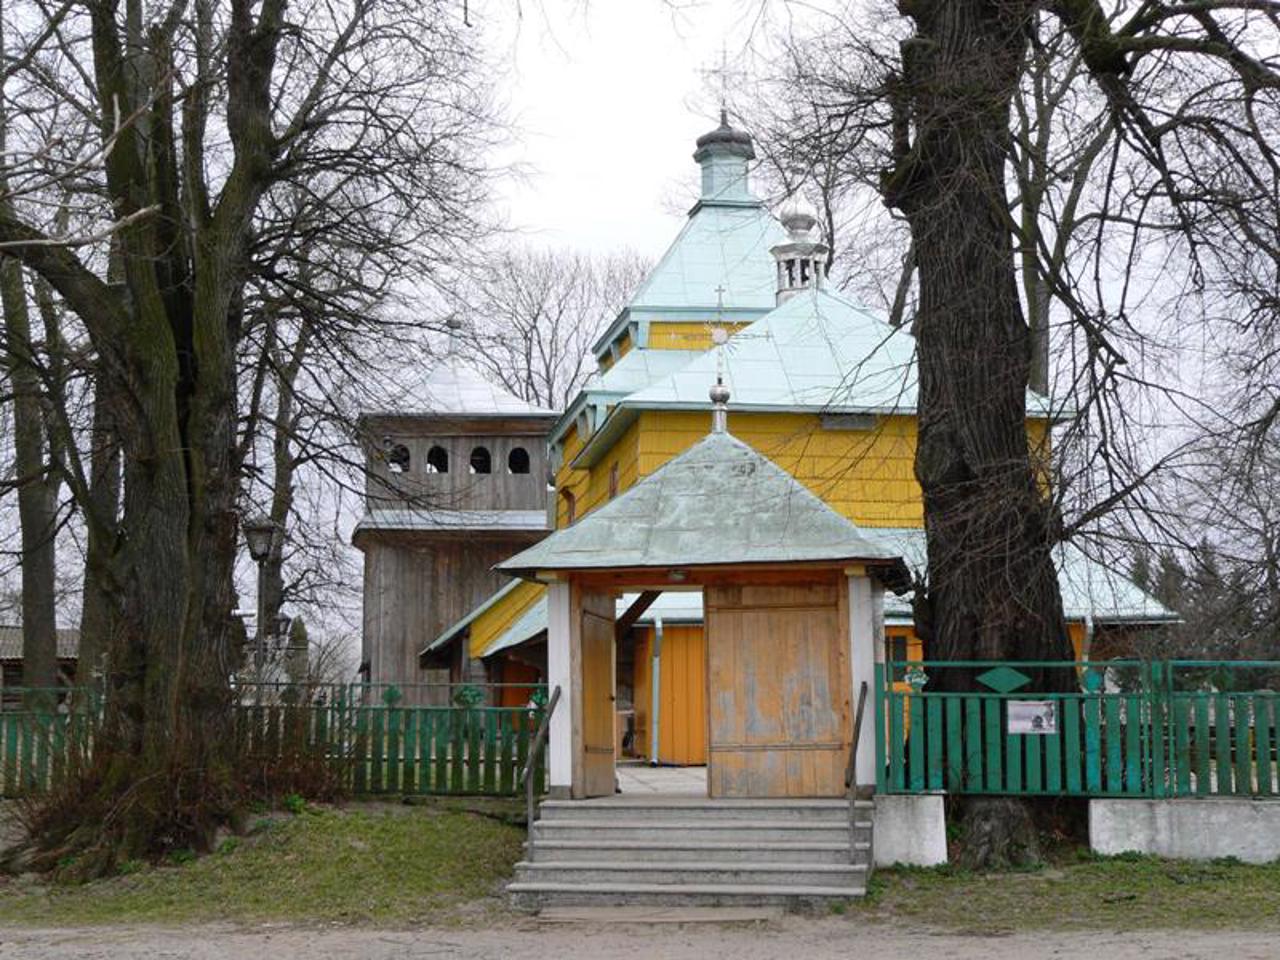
(722, 76)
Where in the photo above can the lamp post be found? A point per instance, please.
(264, 537)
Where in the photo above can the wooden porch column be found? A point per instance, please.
(560, 618)
(866, 649)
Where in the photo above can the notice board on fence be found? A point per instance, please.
(1032, 716)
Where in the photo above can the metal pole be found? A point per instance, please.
(655, 692)
(260, 638)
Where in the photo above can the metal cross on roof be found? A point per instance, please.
(722, 76)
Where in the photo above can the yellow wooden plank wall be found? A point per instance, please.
(591, 488)
(868, 476)
(682, 726)
(493, 622)
(685, 335)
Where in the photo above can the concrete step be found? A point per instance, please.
(754, 874)
(534, 895)
(695, 808)
(682, 830)
(707, 851)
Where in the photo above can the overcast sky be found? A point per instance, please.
(608, 98)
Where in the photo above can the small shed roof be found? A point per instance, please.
(719, 502)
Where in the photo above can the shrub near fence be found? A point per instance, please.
(1131, 729)
(332, 737)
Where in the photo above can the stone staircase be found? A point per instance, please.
(691, 851)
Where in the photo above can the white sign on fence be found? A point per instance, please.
(1032, 716)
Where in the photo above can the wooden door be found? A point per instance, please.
(596, 637)
(777, 691)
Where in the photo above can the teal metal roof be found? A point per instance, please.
(719, 246)
(639, 368)
(718, 502)
(818, 352)
(1089, 587)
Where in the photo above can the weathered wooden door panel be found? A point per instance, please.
(778, 691)
(598, 716)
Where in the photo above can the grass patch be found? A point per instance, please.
(436, 862)
(1125, 892)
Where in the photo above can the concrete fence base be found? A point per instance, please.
(1187, 829)
(910, 830)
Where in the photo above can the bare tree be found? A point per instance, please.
(531, 317)
(1119, 155)
(204, 113)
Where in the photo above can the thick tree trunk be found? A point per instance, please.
(99, 612)
(992, 590)
(37, 495)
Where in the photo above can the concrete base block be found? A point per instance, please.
(1192, 829)
(910, 830)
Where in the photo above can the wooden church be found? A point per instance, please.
(821, 386)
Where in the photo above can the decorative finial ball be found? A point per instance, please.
(454, 322)
(719, 336)
(719, 393)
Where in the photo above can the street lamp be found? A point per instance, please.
(264, 538)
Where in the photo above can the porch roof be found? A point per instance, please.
(718, 503)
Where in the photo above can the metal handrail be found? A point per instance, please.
(535, 750)
(851, 774)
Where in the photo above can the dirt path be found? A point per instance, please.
(793, 938)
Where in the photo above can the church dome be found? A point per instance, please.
(725, 139)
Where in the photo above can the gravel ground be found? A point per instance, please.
(795, 938)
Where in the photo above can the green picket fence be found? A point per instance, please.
(1165, 729)
(400, 750)
(35, 748)
(372, 748)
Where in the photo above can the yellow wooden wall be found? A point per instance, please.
(682, 722)
(491, 623)
(686, 335)
(868, 476)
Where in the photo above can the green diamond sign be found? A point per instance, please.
(1003, 679)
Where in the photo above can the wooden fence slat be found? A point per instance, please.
(1034, 768)
(490, 751)
(955, 745)
(1263, 704)
(457, 753)
(895, 746)
(9, 753)
(1181, 746)
(27, 768)
(1204, 753)
(475, 730)
(1241, 714)
(1115, 745)
(934, 738)
(523, 736)
(1092, 744)
(409, 783)
(992, 734)
(973, 743)
(1133, 746)
(916, 741)
(1013, 761)
(1222, 743)
(1073, 758)
(506, 773)
(1053, 754)
(360, 751)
